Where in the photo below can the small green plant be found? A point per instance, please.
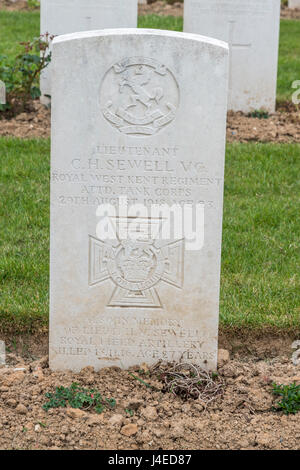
(140, 380)
(44, 425)
(22, 75)
(32, 4)
(290, 398)
(78, 397)
(260, 114)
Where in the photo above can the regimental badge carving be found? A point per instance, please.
(136, 267)
(139, 96)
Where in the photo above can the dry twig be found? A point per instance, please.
(189, 381)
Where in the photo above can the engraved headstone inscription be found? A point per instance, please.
(69, 16)
(251, 28)
(138, 140)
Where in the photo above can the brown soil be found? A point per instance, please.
(161, 8)
(240, 419)
(290, 13)
(28, 125)
(283, 126)
(157, 7)
(14, 5)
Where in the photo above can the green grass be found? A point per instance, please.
(16, 27)
(24, 242)
(288, 59)
(161, 22)
(21, 26)
(260, 261)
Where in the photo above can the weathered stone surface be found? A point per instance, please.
(137, 114)
(252, 30)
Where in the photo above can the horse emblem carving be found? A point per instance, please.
(139, 96)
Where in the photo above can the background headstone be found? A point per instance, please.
(294, 4)
(2, 353)
(130, 119)
(70, 16)
(252, 30)
(2, 92)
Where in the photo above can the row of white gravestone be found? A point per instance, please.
(250, 27)
(140, 115)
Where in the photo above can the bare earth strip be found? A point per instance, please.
(145, 417)
(281, 127)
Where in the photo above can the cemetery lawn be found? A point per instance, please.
(23, 26)
(15, 28)
(260, 261)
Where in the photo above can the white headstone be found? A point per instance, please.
(70, 16)
(294, 4)
(251, 27)
(2, 353)
(2, 92)
(137, 114)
